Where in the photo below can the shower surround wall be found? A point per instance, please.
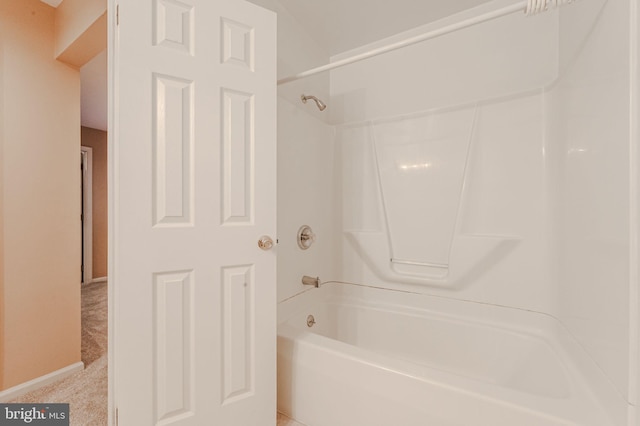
(494, 73)
(305, 160)
(305, 197)
(589, 141)
(542, 218)
(541, 212)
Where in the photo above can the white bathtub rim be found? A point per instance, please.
(582, 369)
(421, 372)
(560, 410)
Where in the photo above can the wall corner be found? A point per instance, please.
(80, 30)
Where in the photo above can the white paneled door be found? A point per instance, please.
(193, 155)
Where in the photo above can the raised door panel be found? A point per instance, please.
(193, 190)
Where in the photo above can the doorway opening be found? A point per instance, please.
(86, 214)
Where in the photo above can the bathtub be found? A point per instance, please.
(379, 357)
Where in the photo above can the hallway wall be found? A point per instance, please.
(40, 208)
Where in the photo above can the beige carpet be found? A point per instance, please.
(85, 391)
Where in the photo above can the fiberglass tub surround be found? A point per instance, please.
(471, 204)
(357, 364)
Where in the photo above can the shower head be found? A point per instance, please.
(321, 105)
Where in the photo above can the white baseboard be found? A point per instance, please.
(38, 382)
(98, 280)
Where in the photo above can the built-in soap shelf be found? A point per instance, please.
(471, 255)
(411, 267)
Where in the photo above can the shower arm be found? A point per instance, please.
(321, 105)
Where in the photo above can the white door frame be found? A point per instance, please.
(87, 213)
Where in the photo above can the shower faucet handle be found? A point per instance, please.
(306, 237)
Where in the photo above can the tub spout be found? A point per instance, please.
(306, 280)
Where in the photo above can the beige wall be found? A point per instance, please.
(1, 214)
(40, 210)
(97, 140)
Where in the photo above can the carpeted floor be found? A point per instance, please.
(85, 391)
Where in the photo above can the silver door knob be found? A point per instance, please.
(265, 242)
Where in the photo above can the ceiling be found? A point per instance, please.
(341, 25)
(338, 25)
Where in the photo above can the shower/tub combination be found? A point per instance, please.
(473, 197)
